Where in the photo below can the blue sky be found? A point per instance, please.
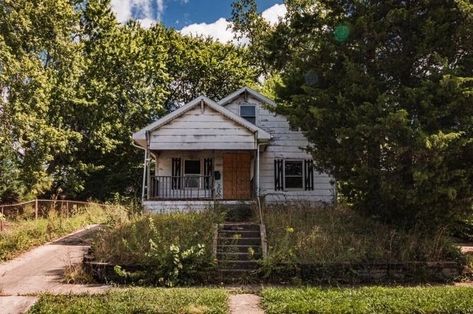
(199, 17)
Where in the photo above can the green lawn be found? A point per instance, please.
(138, 300)
(379, 300)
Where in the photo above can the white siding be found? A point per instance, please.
(285, 144)
(197, 130)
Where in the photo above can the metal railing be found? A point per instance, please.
(181, 187)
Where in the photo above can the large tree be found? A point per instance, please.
(35, 46)
(384, 92)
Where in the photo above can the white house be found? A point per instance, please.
(230, 151)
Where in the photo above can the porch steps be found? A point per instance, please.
(238, 250)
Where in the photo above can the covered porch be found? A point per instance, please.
(202, 175)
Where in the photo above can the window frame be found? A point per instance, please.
(301, 188)
(190, 175)
(246, 116)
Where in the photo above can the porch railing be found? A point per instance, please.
(181, 187)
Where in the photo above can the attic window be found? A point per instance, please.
(248, 112)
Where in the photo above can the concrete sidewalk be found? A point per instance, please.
(41, 270)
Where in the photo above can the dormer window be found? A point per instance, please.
(248, 112)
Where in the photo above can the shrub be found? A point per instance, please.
(173, 248)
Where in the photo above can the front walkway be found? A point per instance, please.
(41, 270)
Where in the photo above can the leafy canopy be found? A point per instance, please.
(383, 90)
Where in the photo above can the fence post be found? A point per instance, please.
(36, 209)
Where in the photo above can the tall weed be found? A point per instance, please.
(300, 233)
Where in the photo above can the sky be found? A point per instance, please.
(191, 17)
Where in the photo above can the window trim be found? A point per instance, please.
(184, 174)
(302, 175)
(246, 116)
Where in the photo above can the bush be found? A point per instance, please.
(172, 248)
(369, 300)
(299, 233)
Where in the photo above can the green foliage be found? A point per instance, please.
(22, 235)
(173, 248)
(138, 300)
(383, 91)
(75, 84)
(302, 234)
(365, 300)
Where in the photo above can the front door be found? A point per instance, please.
(236, 176)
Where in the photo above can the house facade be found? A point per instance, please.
(231, 151)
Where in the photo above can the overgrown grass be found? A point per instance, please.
(138, 300)
(128, 242)
(22, 235)
(329, 234)
(379, 300)
(173, 248)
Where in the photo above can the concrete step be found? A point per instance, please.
(238, 256)
(239, 241)
(232, 265)
(239, 227)
(241, 233)
(239, 248)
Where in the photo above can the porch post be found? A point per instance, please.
(148, 170)
(144, 175)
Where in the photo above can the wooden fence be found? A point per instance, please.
(39, 208)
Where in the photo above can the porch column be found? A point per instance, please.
(145, 162)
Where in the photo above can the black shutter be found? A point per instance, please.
(176, 173)
(278, 175)
(208, 169)
(309, 175)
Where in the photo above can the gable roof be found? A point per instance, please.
(140, 136)
(255, 94)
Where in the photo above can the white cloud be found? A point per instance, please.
(220, 30)
(274, 13)
(146, 12)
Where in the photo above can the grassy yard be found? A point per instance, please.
(139, 300)
(23, 235)
(375, 300)
(299, 233)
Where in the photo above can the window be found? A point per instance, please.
(293, 174)
(191, 173)
(248, 112)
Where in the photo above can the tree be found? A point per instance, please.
(383, 91)
(35, 45)
(201, 66)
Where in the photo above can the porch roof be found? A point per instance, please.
(234, 126)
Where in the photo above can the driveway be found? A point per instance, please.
(41, 270)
